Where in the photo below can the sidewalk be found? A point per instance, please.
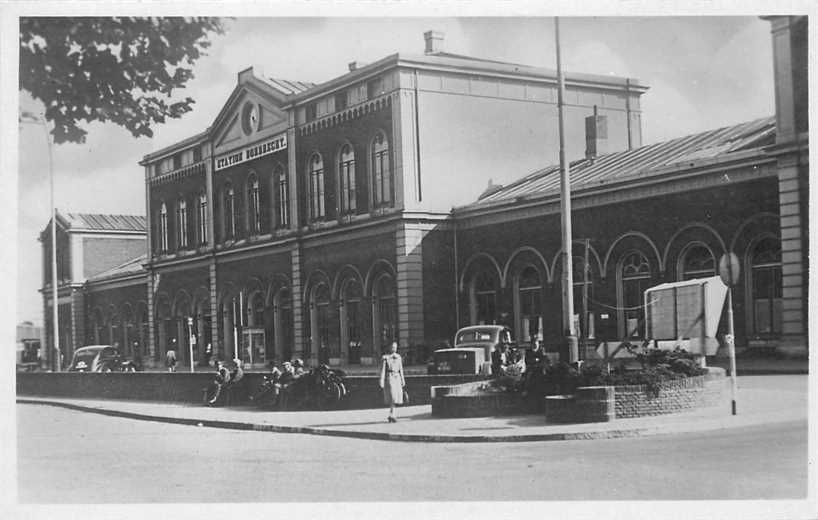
(760, 400)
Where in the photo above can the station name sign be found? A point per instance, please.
(275, 144)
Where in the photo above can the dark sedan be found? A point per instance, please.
(100, 358)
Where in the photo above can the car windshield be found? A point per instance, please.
(86, 356)
(480, 335)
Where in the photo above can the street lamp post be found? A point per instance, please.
(565, 213)
(29, 117)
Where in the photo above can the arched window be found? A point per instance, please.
(766, 287)
(316, 191)
(201, 209)
(282, 196)
(381, 171)
(697, 262)
(346, 174)
(319, 318)
(635, 277)
(352, 294)
(530, 294)
(229, 212)
(483, 299)
(163, 227)
(583, 285)
(181, 223)
(283, 324)
(253, 205)
(385, 322)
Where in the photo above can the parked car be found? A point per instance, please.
(100, 358)
(471, 353)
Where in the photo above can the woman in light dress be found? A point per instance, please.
(392, 381)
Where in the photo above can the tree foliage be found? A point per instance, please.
(120, 70)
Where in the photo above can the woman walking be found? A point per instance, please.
(392, 381)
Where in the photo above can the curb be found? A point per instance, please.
(384, 436)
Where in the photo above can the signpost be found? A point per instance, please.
(729, 273)
(191, 339)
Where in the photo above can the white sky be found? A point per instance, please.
(703, 73)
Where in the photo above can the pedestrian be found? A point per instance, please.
(170, 356)
(392, 380)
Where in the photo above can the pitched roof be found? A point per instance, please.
(133, 266)
(640, 162)
(288, 87)
(101, 222)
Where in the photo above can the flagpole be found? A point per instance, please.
(565, 213)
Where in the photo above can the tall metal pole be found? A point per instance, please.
(565, 213)
(54, 283)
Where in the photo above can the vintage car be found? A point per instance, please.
(99, 358)
(471, 353)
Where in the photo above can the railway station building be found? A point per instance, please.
(408, 197)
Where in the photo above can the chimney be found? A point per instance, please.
(434, 41)
(355, 65)
(596, 135)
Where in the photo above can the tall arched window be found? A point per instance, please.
(201, 209)
(316, 191)
(697, 262)
(253, 205)
(381, 171)
(229, 212)
(346, 174)
(163, 227)
(635, 278)
(530, 294)
(181, 223)
(766, 287)
(282, 196)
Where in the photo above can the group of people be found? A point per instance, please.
(507, 362)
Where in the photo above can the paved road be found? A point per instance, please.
(73, 457)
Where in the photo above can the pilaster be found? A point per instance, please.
(406, 166)
(296, 294)
(409, 272)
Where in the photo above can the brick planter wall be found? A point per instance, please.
(588, 404)
(463, 401)
(182, 387)
(674, 396)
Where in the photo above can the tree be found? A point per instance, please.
(122, 70)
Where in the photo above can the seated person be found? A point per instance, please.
(499, 360)
(287, 374)
(237, 373)
(222, 373)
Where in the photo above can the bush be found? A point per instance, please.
(657, 365)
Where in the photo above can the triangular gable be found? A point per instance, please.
(228, 129)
